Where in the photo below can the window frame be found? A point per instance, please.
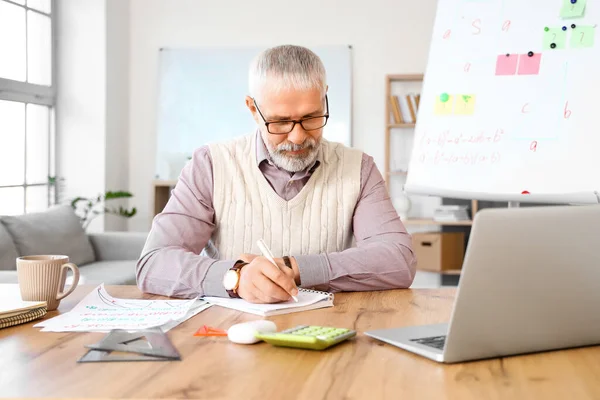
(24, 92)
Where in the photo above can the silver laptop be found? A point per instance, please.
(530, 282)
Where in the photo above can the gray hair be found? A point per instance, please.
(287, 67)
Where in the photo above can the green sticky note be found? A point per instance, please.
(572, 10)
(556, 36)
(582, 37)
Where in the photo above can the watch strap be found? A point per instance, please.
(239, 264)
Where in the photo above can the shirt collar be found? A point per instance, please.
(262, 155)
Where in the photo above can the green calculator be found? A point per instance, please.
(308, 337)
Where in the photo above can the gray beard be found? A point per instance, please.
(291, 163)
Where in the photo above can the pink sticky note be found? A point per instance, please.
(507, 64)
(529, 65)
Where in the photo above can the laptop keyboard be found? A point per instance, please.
(434, 341)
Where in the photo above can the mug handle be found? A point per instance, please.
(63, 277)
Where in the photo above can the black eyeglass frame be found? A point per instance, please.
(295, 121)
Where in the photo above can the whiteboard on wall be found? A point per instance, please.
(201, 99)
(509, 104)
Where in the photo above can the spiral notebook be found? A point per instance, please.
(13, 311)
(307, 300)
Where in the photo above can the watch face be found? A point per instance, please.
(230, 280)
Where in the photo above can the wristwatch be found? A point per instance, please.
(231, 279)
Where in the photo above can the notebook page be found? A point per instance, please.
(305, 298)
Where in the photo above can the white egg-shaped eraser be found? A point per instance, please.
(245, 332)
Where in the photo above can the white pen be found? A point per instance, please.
(269, 256)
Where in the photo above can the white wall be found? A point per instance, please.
(92, 101)
(81, 94)
(117, 106)
(387, 36)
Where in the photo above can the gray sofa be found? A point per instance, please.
(107, 258)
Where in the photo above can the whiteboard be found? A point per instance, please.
(509, 108)
(201, 99)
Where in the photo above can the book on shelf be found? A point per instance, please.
(411, 107)
(404, 109)
(396, 112)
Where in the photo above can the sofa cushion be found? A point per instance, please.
(8, 250)
(108, 272)
(55, 231)
(8, 277)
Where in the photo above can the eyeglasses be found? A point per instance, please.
(286, 126)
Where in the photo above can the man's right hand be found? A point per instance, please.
(263, 282)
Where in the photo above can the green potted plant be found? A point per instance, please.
(88, 208)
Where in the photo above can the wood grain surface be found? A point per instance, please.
(44, 364)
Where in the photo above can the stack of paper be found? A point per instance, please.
(14, 311)
(100, 312)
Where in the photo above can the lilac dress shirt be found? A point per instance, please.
(171, 264)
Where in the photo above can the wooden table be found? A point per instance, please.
(35, 364)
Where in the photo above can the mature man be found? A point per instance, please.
(306, 197)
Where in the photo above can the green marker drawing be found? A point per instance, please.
(444, 97)
(466, 98)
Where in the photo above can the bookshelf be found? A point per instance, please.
(162, 192)
(400, 91)
(395, 119)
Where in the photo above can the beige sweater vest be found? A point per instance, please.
(317, 220)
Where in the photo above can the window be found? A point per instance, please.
(27, 98)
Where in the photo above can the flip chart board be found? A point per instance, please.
(509, 103)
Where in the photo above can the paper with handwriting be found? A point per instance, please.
(100, 312)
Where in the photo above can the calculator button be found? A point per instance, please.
(308, 337)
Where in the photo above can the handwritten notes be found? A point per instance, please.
(572, 9)
(456, 148)
(99, 311)
(555, 38)
(444, 104)
(529, 65)
(582, 37)
(461, 157)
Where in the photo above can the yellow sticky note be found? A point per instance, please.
(443, 104)
(465, 104)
